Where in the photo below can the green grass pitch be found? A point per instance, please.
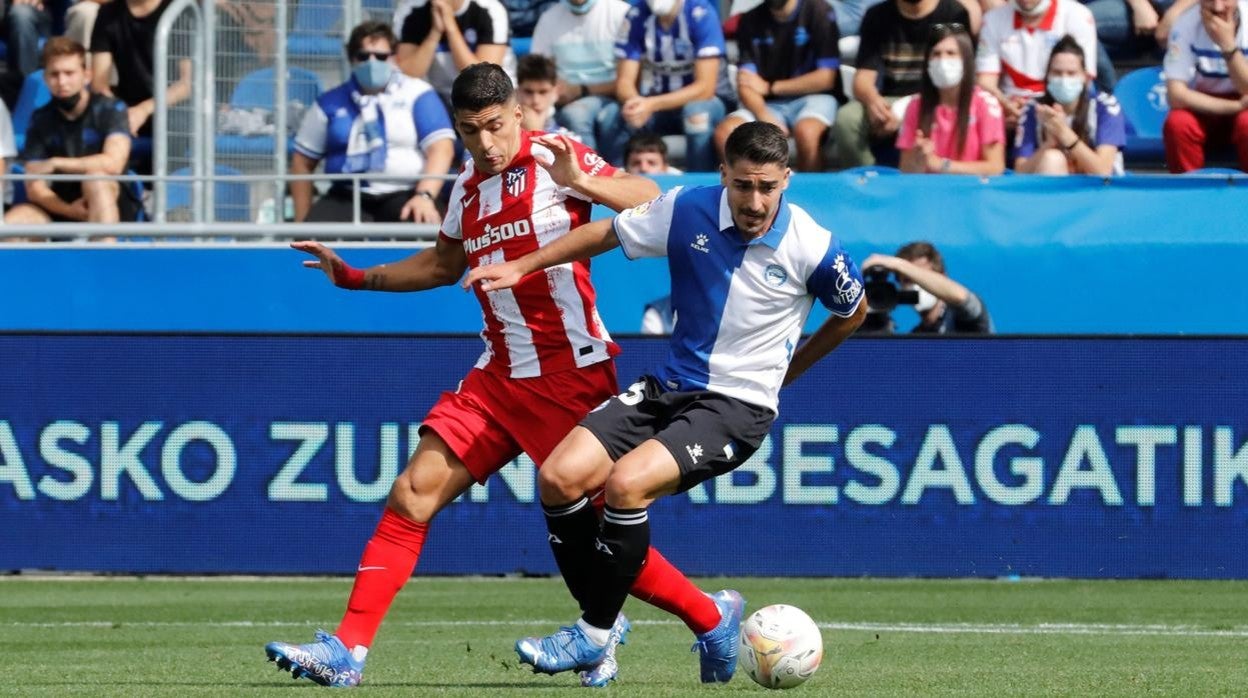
(454, 636)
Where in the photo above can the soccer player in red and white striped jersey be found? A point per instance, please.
(547, 362)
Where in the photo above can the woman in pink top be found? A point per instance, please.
(952, 126)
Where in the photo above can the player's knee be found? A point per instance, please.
(628, 488)
(410, 498)
(559, 484)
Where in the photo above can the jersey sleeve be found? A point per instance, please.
(909, 126)
(36, 146)
(871, 39)
(827, 39)
(117, 120)
(432, 122)
(1111, 126)
(836, 281)
(747, 55)
(496, 29)
(313, 132)
(1025, 138)
(452, 222)
(643, 230)
(705, 31)
(102, 31)
(988, 53)
(630, 49)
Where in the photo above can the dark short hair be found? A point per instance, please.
(370, 29)
(758, 142)
(920, 249)
(59, 46)
(479, 86)
(645, 142)
(535, 66)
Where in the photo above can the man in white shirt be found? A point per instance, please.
(1207, 84)
(580, 35)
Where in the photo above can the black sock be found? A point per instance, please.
(573, 528)
(620, 552)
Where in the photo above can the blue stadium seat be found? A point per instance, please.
(231, 200)
(1142, 94)
(521, 45)
(257, 91)
(34, 94)
(318, 32)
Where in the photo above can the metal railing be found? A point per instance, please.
(203, 226)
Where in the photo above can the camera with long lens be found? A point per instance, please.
(883, 295)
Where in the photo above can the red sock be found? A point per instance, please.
(660, 584)
(387, 563)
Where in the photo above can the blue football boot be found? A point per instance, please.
(569, 649)
(605, 672)
(326, 661)
(718, 646)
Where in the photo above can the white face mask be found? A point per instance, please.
(1039, 9)
(661, 8)
(926, 300)
(945, 72)
(1066, 90)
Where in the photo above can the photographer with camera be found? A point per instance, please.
(944, 305)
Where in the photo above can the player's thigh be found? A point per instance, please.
(578, 465)
(433, 478)
(711, 434)
(643, 475)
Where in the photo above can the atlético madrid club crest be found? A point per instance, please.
(515, 181)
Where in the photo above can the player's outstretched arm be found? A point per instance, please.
(618, 192)
(440, 265)
(586, 241)
(824, 340)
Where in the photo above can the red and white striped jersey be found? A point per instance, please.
(1020, 54)
(548, 322)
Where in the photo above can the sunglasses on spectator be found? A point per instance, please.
(362, 56)
(951, 27)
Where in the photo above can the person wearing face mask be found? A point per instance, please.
(890, 69)
(1073, 128)
(77, 132)
(789, 74)
(1206, 72)
(439, 38)
(671, 78)
(580, 36)
(944, 305)
(953, 126)
(1014, 48)
(380, 121)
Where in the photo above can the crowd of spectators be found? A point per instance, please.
(937, 86)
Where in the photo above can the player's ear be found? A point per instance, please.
(723, 174)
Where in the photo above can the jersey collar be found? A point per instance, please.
(774, 234)
(1046, 22)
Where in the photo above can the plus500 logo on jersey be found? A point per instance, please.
(495, 234)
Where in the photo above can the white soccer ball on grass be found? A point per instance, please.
(781, 646)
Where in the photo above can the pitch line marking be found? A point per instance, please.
(1155, 630)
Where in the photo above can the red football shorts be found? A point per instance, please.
(491, 419)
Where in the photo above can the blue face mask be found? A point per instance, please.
(1066, 90)
(373, 75)
(580, 9)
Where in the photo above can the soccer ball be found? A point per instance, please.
(781, 646)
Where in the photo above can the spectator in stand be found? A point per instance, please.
(1072, 128)
(439, 38)
(1207, 84)
(537, 90)
(80, 133)
(788, 74)
(953, 126)
(1124, 29)
(890, 68)
(80, 22)
(379, 120)
(646, 154)
(124, 36)
(580, 36)
(1014, 48)
(850, 13)
(1172, 14)
(671, 78)
(944, 307)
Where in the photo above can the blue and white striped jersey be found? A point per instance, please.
(667, 55)
(740, 306)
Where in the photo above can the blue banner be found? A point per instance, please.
(892, 457)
